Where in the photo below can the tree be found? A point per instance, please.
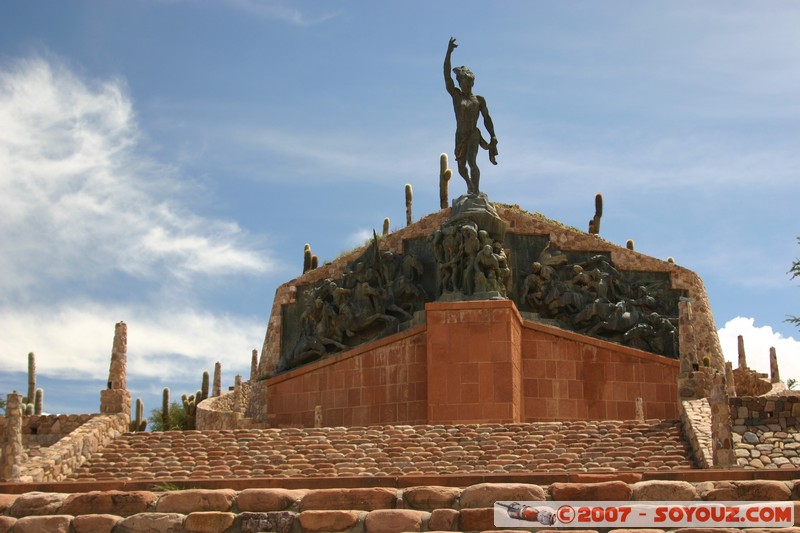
(791, 383)
(178, 419)
(795, 272)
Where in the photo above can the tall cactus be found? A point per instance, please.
(594, 223)
(165, 424)
(38, 401)
(444, 178)
(306, 258)
(253, 365)
(190, 406)
(314, 262)
(386, 226)
(139, 423)
(204, 387)
(409, 200)
(217, 389)
(31, 378)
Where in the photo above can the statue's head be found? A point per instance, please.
(464, 76)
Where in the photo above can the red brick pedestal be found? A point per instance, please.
(474, 362)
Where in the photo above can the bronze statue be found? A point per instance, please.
(468, 107)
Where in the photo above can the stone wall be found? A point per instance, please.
(567, 376)
(474, 362)
(363, 510)
(58, 461)
(766, 431)
(383, 382)
(219, 412)
(46, 430)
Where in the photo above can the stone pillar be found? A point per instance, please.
(742, 355)
(691, 378)
(474, 362)
(216, 388)
(237, 394)
(318, 416)
(254, 366)
(774, 373)
(116, 398)
(13, 452)
(730, 383)
(638, 405)
(721, 441)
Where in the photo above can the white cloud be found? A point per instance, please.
(79, 198)
(74, 341)
(757, 342)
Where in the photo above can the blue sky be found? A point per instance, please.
(163, 162)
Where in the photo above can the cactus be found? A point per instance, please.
(165, 409)
(629, 244)
(254, 365)
(386, 226)
(444, 177)
(217, 390)
(409, 200)
(190, 406)
(31, 378)
(204, 387)
(38, 401)
(139, 423)
(314, 262)
(306, 258)
(594, 223)
(671, 260)
(28, 409)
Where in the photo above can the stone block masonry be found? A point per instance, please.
(364, 510)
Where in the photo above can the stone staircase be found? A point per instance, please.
(579, 446)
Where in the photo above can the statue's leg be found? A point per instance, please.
(464, 173)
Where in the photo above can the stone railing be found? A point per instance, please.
(220, 411)
(367, 510)
(696, 423)
(58, 461)
(46, 430)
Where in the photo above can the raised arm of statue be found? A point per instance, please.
(448, 80)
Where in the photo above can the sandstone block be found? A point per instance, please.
(707, 530)
(443, 520)
(279, 522)
(431, 497)
(114, 502)
(196, 500)
(315, 521)
(151, 523)
(606, 491)
(37, 504)
(657, 490)
(6, 501)
(759, 490)
(208, 522)
(634, 530)
(7, 522)
(349, 499)
(476, 519)
(95, 523)
(394, 520)
(485, 494)
(268, 499)
(43, 524)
